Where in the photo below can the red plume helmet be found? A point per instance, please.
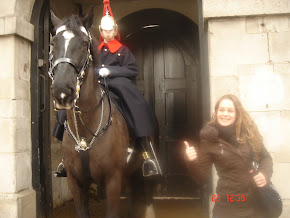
(108, 22)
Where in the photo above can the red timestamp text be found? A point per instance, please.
(230, 198)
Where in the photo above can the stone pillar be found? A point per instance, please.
(17, 198)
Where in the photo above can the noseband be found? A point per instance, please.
(80, 71)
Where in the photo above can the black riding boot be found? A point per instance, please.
(60, 171)
(151, 165)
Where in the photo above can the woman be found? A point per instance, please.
(229, 141)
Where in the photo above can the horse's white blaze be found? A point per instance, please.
(84, 30)
(60, 29)
(150, 212)
(62, 95)
(68, 35)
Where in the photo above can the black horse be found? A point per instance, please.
(97, 137)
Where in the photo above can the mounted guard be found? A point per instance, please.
(117, 71)
(97, 135)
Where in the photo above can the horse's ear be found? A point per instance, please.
(89, 18)
(54, 19)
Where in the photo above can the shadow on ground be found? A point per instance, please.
(163, 209)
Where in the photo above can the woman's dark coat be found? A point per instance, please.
(232, 165)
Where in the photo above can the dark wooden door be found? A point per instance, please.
(168, 65)
(40, 110)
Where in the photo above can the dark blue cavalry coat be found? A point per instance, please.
(120, 61)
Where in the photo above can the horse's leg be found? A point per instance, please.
(136, 196)
(129, 194)
(113, 190)
(80, 196)
(149, 187)
(140, 196)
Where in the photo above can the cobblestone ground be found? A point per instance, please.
(163, 209)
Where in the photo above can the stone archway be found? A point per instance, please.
(166, 46)
(17, 195)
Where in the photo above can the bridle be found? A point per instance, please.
(81, 71)
(82, 143)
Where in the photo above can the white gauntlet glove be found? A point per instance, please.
(104, 72)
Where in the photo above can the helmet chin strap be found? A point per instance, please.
(108, 39)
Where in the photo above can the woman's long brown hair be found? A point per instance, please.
(246, 129)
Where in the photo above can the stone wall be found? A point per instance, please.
(248, 51)
(249, 56)
(17, 198)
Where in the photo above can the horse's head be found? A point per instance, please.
(70, 56)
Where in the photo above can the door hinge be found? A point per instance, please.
(41, 63)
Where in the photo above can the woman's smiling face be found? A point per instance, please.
(226, 113)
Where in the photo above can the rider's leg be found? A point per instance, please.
(60, 171)
(151, 165)
(57, 132)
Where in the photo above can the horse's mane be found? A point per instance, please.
(73, 23)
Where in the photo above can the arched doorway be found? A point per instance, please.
(168, 57)
(166, 48)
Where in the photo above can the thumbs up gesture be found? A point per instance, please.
(190, 152)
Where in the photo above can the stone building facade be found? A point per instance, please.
(248, 53)
(244, 50)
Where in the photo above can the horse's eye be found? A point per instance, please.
(85, 44)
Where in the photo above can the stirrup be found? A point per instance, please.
(60, 170)
(149, 167)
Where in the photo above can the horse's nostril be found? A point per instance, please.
(72, 91)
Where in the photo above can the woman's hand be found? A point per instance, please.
(260, 179)
(190, 152)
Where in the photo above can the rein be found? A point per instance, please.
(110, 119)
(81, 142)
(82, 145)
